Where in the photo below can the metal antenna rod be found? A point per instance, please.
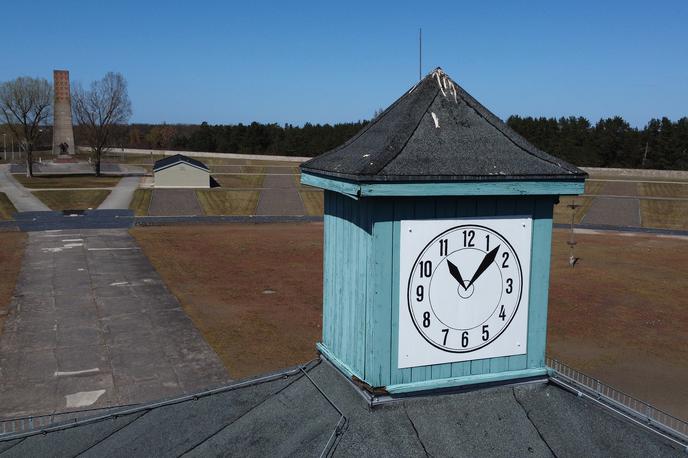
(420, 54)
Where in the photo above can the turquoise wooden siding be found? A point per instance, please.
(361, 288)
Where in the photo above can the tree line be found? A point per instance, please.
(611, 142)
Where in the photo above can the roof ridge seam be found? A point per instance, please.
(506, 134)
(437, 92)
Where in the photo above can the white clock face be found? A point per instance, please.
(463, 289)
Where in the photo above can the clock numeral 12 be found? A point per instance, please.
(468, 237)
(444, 247)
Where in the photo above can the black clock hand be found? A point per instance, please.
(487, 260)
(454, 271)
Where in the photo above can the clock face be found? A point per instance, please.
(463, 289)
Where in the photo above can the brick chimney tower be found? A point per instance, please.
(63, 134)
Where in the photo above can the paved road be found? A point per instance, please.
(121, 195)
(280, 195)
(615, 211)
(21, 198)
(92, 325)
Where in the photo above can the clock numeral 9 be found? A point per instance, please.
(468, 237)
(444, 247)
(486, 333)
(420, 293)
(425, 268)
(509, 285)
(426, 319)
(464, 339)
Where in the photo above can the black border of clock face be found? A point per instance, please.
(413, 269)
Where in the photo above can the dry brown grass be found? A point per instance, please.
(254, 291)
(313, 202)
(11, 253)
(562, 213)
(67, 181)
(72, 199)
(141, 201)
(663, 189)
(7, 209)
(621, 314)
(217, 202)
(240, 181)
(665, 214)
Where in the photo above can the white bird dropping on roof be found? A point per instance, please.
(434, 118)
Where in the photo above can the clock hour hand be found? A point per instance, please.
(454, 271)
(487, 260)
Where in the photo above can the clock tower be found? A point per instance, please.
(438, 229)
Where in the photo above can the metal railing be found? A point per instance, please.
(642, 411)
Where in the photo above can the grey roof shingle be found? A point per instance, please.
(288, 416)
(169, 161)
(438, 132)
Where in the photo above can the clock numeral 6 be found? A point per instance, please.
(420, 293)
(425, 268)
(426, 319)
(509, 285)
(486, 333)
(464, 339)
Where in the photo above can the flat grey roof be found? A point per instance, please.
(290, 416)
(437, 132)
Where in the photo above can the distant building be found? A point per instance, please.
(63, 133)
(179, 171)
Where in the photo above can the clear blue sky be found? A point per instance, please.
(339, 61)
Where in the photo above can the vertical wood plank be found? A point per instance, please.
(539, 281)
(378, 322)
(327, 272)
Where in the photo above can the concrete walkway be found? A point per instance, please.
(280, 195)
(121, 195)
(92, 325)
(21, 198)
(622, 211)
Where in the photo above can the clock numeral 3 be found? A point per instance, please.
(509, 285)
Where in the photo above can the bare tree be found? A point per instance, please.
(99, 110)
(26, 104)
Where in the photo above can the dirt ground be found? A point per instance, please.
(11, 253)
(255, 292)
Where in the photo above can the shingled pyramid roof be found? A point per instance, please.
(438, 132)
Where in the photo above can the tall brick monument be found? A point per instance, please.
(63, 134)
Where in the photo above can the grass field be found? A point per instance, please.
(255, 292)
(562, 213)
(67, 181)
(72, 199)
(313, 202)
(141, 202)
(240, 181)
(11, 253)
(6, 207)
(663, 189)
(223, 202)
(667, 214)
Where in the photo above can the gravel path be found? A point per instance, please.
(92, 325)
(280, 195)
(174, 202)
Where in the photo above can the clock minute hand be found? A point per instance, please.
(454, 271)
(487, 260)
